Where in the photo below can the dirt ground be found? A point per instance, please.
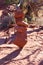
(30, 54)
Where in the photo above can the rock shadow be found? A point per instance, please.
(35, 30)
(41, 63)
(7, 59)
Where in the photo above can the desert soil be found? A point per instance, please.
(30, 54)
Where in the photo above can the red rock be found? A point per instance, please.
(19, 14)
(20, 28)
(20, 23)
(20, 39)
(21, 36)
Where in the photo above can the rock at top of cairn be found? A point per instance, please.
(19, 16)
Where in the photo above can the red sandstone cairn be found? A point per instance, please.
(21, 35)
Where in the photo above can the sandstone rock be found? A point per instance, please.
(22, 24)
(20, 39)
(21, 36)
(21, 29)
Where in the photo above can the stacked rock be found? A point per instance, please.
(21, 35)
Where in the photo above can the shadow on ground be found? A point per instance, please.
(41, 63)
(9, 57)
(10, 39)
(35, 30)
